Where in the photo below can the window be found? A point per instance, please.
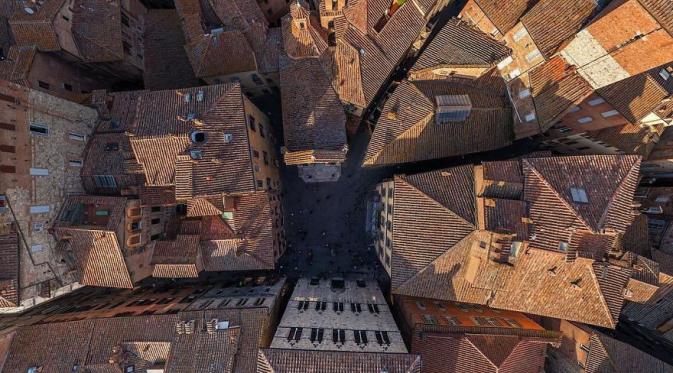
(596, 101)
(294, 334)
(261, 130)
(530, 57)
(265, 156)
(360, 336)
(43, 85)
(39, 209)
(485, 321)
(251, 122)
(39, 129)
(77, 137)
(127, 47)
(513, 323)
(452, 108)
(75, 163)
(320, 306)
(420, 305)
(255, 153)
(664, 74)
(125, 19)
(338, 336)
(39, 172)
(563, 246)
(303, 305)
(317, 335)
(452, 320)
(338, 307)
(579, 195)
(156, 221)
(609, 113)
(260, 184)
(105, 181)
(440, 305)
(584, 120)
(574, 109)
(520, 34)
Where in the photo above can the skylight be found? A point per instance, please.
(452, 108)
(579, 195)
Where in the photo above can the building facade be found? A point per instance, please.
(43, 143)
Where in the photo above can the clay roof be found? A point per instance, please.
(458, 43)
(548, 30)
(92, 240)
(16, 66)
(444, 224)
(111, 154)
(636, 96)
(365, 58)
(37, 28)
(275, 360)
(98, 30)
(607, 354)
(660, 10)
(251, 246)
(108, 345)
(177, 258)
(436, 255)
(630, 138)
(504, 15)
(165, 59)
(555, 87)
(9, 269)
(446, 352)
(117, 110)
(227, 37)
(163, 141)
(407, 131)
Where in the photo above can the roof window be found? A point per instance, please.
(579, 195)
(452, 108)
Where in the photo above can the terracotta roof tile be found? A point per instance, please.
(630, 138)
(555, 87)
(111, 154)
(407, 131)
(609, 354)
(661, 11)
(504, 15)
(636, 96)
(16, 66)
(548, 30)
(97, 32)
(541, 280)
(275, 360)
(166, 62)
(460, 44)
(178, 258)
(9, 269)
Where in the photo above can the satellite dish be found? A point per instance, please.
(29, 10)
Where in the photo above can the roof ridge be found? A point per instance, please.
(402, 177)
(619, 188)
(482, 353)
(555, 192)
(413, 126)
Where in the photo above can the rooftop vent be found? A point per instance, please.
(198, 137)
(452, 108)
(199, 96)
(191, 116)
(196, 154)
(111, 147)
(228, 138)
(187, 97)
(337, 284)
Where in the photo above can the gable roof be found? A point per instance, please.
(106, 345)
(407, 132)
(272, 360)
(162, 141)
(9, 269)
(421, 238)
(452, 352)
(635, 96)
(504, 15)
(177, 258)
(227, 37)
(458, 266)
(458, 43)
(607, 354)
(548, 30)
(313, 117)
